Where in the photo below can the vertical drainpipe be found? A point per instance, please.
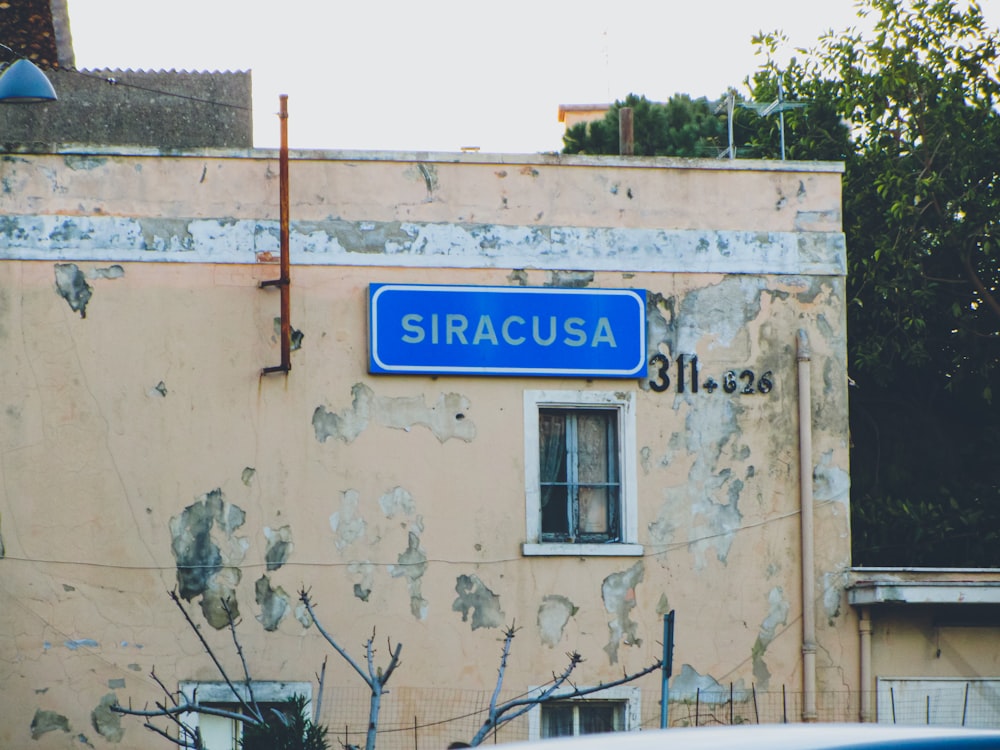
(806, 502)
(865, 633)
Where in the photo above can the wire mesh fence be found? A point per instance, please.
(413, 718)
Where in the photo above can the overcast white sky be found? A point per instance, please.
(437, 75)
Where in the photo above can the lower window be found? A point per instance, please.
(573, 718)
(612, 710)
(225, 733)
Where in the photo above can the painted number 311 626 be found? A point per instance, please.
(688, 377)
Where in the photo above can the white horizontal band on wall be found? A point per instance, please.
(422, 245)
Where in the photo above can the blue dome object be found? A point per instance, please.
(22, 81)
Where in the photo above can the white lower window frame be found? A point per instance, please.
(630, 695)
(264, 691)
(624, 403)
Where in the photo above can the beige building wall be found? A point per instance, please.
(928, 644)
(138, 432)
(574, 114)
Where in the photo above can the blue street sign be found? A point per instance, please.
(489, 330)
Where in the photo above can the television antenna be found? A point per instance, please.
(779, 105)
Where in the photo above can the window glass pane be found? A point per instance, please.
(592, 446)
(578, 474)
(218, 732)
(593, 510)
(557, 720)
(552, 467)
(596, 451)
(552, 445)
(600, 716)
(555, 512)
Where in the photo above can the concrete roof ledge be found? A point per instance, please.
(41, 147)
(874, 586)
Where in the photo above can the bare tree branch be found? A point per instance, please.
(176, 740)
(239, 650)
(208, 649)
(304, 598)
(510, 710)
(376, 677)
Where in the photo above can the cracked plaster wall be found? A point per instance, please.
(397, 501)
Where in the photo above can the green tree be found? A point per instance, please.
(681, 127)
(921, 216)
(911, 108)
(286, 728)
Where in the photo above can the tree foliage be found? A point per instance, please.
(681, 127)
(921, 216)
(289, 728)
(911, 108)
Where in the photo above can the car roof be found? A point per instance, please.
(780, 737)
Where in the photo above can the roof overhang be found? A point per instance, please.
(870, 587)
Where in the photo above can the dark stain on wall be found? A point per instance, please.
(279, 547)
(570, 279)
(485, 605)
(73, 287)
(106, 722)
(273, 603)
(361, 592)
(47, 721)
(203, 567)
(295, 336)
(198, 557)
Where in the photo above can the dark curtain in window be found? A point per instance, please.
(552, 452)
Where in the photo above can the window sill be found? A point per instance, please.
(567, 549)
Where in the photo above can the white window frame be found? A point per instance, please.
(623, 402)
(629, 694)
(264, 691)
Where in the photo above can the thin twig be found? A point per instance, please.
(304, 598)
(208, 650)
(176, 740)
(239, 650)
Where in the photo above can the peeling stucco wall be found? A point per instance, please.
(411, 566)
(553, 616)
(619, 594)
(777, 616)
(446, 418)
(134, 331)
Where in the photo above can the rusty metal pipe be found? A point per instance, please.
(285, 281)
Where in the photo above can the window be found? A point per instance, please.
(580, 473)
(611, 710)
(582, 717)
(223, 733)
